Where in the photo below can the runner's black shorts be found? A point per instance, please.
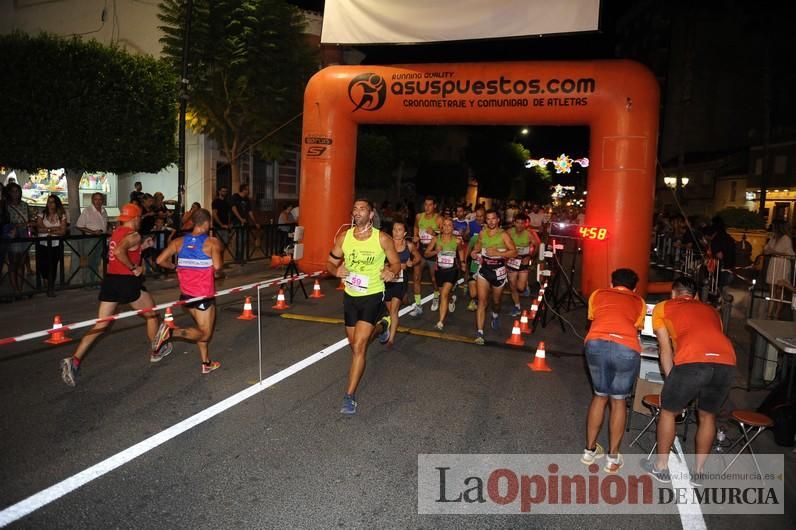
(368, 308)
(202, 305)
(444, 276)
(490, 275)
(708, 383)
(121, 288)
(394, 290)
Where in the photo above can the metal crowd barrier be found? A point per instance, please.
(80, 261)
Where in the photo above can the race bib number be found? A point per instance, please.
(446, 259)
(399, 277)
(357, 282)
(523, 251)
(514, 263)
(425, 237)
(500, 273)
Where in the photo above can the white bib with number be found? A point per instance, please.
(425, 237)
(357, 282)
(523, 251)
(446, 259)
(500, 272)
(514, 263)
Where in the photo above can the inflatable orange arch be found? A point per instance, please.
(618, 100)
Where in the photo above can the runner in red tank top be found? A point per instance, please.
(123, 284)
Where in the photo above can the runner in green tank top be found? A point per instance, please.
(358, 256)
(449, 252)
(493, 247)
(527, 242)
(427, 225)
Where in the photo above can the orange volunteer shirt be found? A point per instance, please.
(695, 330)
(616, 314)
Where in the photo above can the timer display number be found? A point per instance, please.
(592, 232)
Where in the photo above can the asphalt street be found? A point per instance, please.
(284, 458)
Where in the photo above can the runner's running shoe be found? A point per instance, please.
(162, 335)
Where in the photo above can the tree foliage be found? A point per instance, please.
(499, 167)
(84, 106)
(248, 63)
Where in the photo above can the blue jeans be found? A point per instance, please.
(613, 367)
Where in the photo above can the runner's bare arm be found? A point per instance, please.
(416, 229)
(335, 260)
(392, 256)
(415, 254)
(476, 247)
(216, 252)
(431, 249)
(164, 258)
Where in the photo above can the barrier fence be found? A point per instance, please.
(137, 312)
(32, 265)
(769, 277)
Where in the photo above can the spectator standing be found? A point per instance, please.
(19, 220)
(50, 223)
(779, 273)
(221, 216)
(137, 195)
(187, 217)
(93, 221)
(242, 216)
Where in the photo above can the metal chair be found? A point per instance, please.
(749, 422)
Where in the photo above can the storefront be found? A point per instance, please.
(37, 187)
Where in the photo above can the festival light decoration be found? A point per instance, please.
(562, 164)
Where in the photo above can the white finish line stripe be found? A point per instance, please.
(690, 514)
(39, 500)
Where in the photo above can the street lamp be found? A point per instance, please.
(671, 182)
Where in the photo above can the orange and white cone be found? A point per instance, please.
(539, 363)
(534, 310)
(247, 310)
(168, 318)
(316, 290)
(57, 334)
(516, 335)
(280, 301)
(524, 327)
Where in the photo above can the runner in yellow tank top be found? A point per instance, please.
(358, 256)
(449, 252)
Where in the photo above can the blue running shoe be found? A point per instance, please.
(495, 323)
(516, 311)
(349, 405)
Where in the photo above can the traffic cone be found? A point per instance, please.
(534, 310)
(524, 327)
(516, 335)
(168, 318)
(247, 310)
(539, 363)
(276, 261)
(57, 334)
(316, 290)
(341, 287)
(280, 301)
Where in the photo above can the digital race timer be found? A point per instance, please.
(578, 231)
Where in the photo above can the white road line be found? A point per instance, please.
(39, 500)
(690, 514)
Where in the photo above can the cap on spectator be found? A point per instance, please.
(129, 211)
